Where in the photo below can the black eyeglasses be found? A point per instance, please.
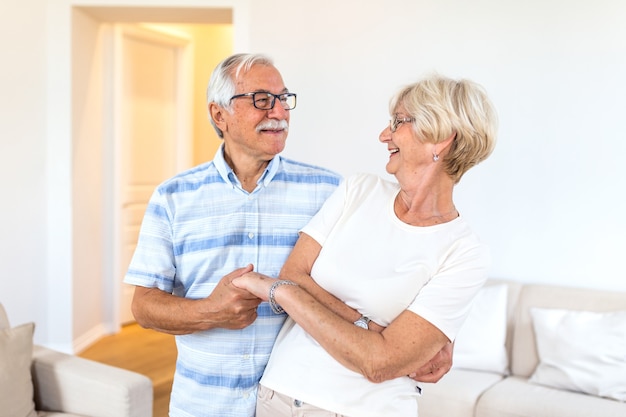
(266, 101)
(397, 121)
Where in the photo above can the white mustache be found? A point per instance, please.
(273, 124)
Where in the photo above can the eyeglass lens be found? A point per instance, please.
(266, 101)
(397, 121)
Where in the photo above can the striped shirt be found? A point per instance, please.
(201, 225)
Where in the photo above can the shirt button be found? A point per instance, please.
(246, 356)
(297, 403)
(250, 235)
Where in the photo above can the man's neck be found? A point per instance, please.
(247, 169)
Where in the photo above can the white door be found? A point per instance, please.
(152, 125)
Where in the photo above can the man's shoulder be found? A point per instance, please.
(190, 178)
(298, 168)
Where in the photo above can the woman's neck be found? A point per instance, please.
(426, 205)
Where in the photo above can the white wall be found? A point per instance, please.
(549, 200)
(23, 160)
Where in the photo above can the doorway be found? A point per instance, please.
(103, 179)
(152, 140)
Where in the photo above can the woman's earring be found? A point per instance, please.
(435, 157)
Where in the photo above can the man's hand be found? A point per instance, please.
(227, 307)
(232, 307)
(435, 368)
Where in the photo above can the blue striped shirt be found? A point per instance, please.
(199, 226)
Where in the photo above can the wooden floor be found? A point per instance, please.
(144, 351)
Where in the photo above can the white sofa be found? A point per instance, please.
(475, 388)
(56, 384)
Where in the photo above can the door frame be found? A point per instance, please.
(113, 88)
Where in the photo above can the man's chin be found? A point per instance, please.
(274, 146)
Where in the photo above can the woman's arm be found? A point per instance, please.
(407, 344)
(404, 346)
(298, 268)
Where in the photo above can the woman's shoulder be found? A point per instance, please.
(362, 186)
(369, 181)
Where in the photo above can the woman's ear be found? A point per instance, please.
(441, 146)
(448, 141)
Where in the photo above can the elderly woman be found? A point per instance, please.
(398, 253)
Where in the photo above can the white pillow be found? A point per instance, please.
(480, 344)
(581, 351)
(16, 385)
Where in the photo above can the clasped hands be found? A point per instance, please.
(259, 285)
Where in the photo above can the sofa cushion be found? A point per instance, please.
(515, 397)
(16, 386)
(455, 395)
(581, 351)
(524, 358)
(4, 320)
(480, 344)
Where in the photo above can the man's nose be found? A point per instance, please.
(278, 112)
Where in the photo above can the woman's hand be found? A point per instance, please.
(257, 284)
(437, 367)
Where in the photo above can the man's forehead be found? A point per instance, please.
(261, 78)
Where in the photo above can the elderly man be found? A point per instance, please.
(244, 207)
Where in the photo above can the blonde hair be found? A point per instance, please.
(443, 107)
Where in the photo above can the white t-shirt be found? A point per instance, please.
(380, 266)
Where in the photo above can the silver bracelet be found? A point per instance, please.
(273, 304)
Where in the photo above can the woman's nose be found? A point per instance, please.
(385, 135)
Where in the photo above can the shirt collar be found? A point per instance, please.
(227, 174)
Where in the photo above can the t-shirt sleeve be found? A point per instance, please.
(320, 225)
(446, 299)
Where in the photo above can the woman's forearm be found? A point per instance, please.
(378, 356)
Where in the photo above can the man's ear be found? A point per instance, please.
(216, 113)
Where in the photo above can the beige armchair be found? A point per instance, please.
(57, 384)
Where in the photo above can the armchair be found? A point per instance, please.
(57, 384)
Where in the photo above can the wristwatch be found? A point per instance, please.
(363, 322)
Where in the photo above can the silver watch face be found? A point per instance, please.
(362, 323)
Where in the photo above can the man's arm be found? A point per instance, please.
(226, 307)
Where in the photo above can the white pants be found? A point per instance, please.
(270, 403)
